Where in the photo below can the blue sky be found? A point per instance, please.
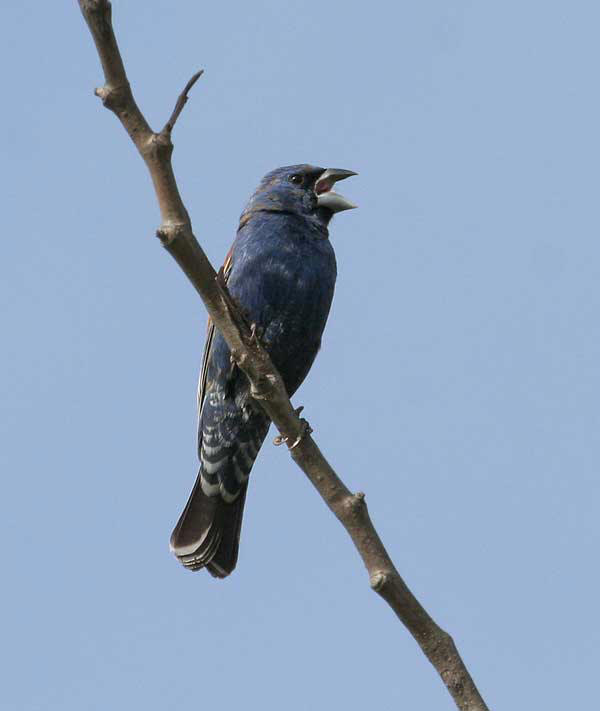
(458, 384)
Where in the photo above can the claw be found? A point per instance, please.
(221, 277)
(256, 332)
(305, 430)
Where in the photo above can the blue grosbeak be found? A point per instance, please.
(281, 272)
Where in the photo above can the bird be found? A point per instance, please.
(281, 273)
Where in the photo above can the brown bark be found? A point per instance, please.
(177, 237)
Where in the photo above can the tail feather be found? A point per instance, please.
(208, 532)
(226, 554)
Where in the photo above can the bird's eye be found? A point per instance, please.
(297, 179)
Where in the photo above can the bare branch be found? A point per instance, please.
(177, 237)
(181, 102)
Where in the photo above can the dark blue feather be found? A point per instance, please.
(281, 272)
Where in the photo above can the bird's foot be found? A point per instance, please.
(221, 279)
(256, 333)
(304, 432)
(263, 390)
(305, 429)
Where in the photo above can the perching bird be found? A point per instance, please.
(281, 272)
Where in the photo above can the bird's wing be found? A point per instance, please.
(231, 429)
(208, 530)
(210, 332)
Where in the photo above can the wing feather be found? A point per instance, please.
(210, 332)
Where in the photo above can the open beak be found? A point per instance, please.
(326, 197)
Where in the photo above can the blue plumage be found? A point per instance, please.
(281, 271)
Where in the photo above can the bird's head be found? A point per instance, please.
(303, 190)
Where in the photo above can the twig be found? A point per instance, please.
(181, 102)
(176, 235)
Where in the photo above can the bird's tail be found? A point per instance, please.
(208, 532)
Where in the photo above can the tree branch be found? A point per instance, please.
(181, 102)
(178, 239)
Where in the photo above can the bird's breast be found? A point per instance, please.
(286, 287)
